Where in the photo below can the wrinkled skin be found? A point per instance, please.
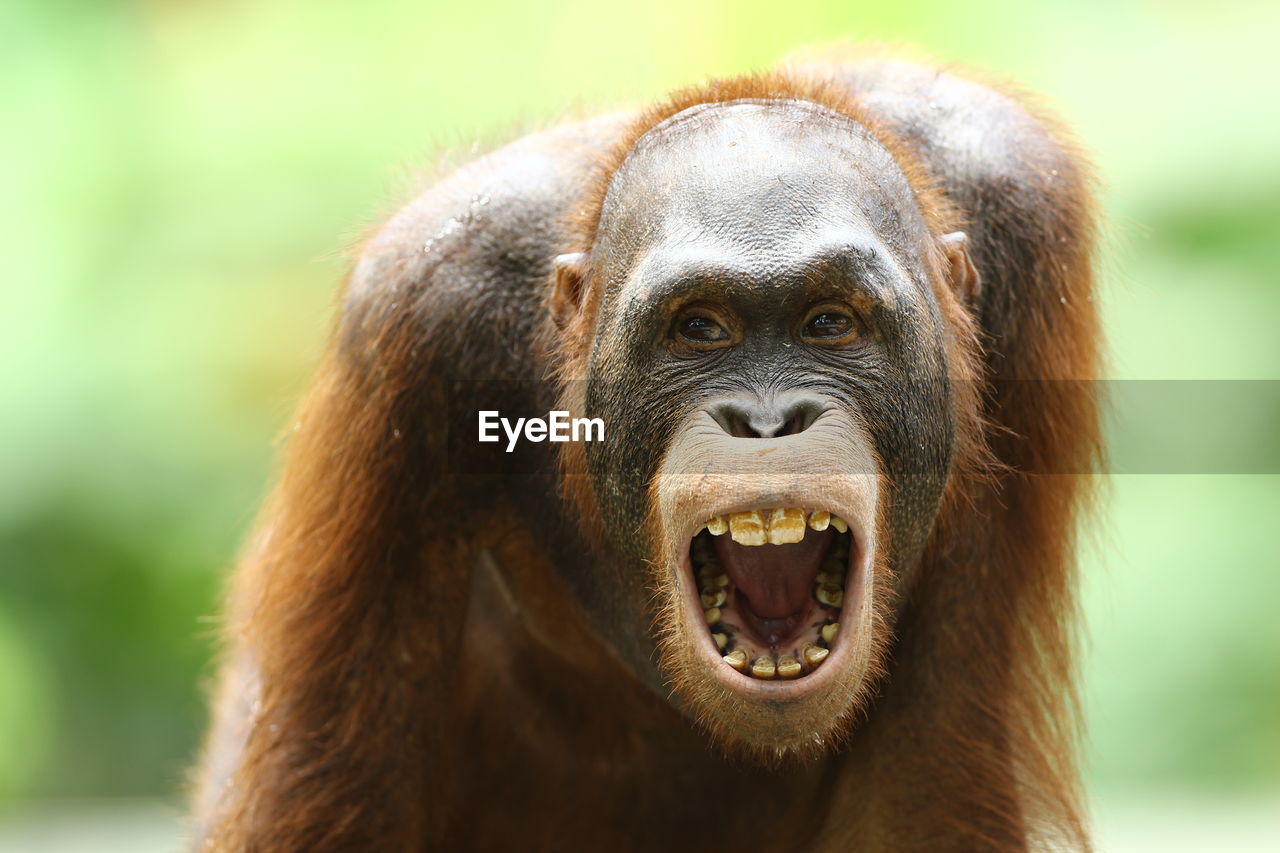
(767, 209)
(439, 646)
(763, 210)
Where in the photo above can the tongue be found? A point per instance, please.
(776, 579)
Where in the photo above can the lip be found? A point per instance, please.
(853, 639)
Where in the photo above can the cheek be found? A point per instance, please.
(904, 395)
(914, 434)
(623, 464)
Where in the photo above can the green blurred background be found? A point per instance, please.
(180, 180)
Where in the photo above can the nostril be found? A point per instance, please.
(750, 417)
(803, 412)
(736, 418)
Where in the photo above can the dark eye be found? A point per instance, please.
(700, 329)
(829, 325)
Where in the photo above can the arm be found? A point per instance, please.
(348, 613)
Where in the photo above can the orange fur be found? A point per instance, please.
(349, 613)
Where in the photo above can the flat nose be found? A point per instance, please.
(749, 416)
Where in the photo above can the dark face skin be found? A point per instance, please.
(764, 289)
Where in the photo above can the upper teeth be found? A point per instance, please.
(772, 526)
(778, 660)
(747, 528)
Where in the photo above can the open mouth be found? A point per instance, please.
(773, 589)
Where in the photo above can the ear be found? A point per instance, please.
(961, 272)
(566, 296)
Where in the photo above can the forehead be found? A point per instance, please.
(764, 186)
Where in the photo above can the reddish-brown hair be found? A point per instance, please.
(349, 603)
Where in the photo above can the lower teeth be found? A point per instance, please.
(814, 654)
(788, 667)
(737, 659)
(714, 589)
(764, 667)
